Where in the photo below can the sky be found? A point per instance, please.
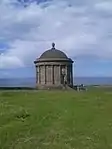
(80, 28)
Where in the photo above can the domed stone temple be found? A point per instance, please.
(53, 69)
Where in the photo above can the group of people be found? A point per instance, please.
(80, 87)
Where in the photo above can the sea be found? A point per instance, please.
(31, 82)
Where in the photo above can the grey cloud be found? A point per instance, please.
(80, 27)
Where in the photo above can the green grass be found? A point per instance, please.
(56, 119)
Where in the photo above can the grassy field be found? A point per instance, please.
(56, 119)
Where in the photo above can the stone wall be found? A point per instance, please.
(49, 79)
(42, 71)
(51, 75)
(57, 75)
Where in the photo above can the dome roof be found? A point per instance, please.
(53, 53)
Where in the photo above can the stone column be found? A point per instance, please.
(66, 67)
(71, 75)
(36, 73)
(45, 73)
(60, 74)
(52, 74)
(39, 74)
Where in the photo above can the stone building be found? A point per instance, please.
(53, 69)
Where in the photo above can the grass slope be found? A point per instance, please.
(56, 120)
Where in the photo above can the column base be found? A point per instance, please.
(53, 87)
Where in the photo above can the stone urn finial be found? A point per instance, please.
(53, 45)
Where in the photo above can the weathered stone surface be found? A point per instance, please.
(54, 72)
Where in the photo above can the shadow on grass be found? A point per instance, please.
(6, 94)
(22, 115)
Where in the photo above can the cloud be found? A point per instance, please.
(10, 61)
(80, 27)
